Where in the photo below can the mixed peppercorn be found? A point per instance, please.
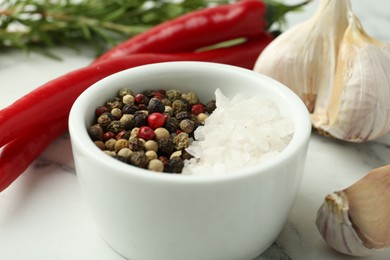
(150, 129)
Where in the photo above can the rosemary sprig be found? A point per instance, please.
(38, 25)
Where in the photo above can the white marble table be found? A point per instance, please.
(43, 216)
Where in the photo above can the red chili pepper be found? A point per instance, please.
(17, 155)
(197, 29)
(55, 98)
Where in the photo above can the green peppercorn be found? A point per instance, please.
(125, 91)
(96, 132)
(105, 119)
(191, 97)
(187, 126)
(115, 102)
(126, 121)
(136, 144)
(181, 141)
(166, 102)
(110, 144)
(173, 94)
(179, 105)
(115, 127)
(138, 159)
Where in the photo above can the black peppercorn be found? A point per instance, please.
(166, 146)
(115, 127)
(171, 125)
(129, 109)
(139, 119)
(120, 158)
(186, 155)
(183, 115)
(155, 105)
(138, 159)
(210, 106)
(175, 165)
(96, 132)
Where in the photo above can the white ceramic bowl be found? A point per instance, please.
(150, 216)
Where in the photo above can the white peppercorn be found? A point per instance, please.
(151, 155)
(202, 117)
(156, 165)
(151, 145)
(120, 144)
(128, 100)
(161, 133)
(174, 154)
(125, 152)
(116, 112)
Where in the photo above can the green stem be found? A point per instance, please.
(276, 11)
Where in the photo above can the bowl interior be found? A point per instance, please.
(199, 77)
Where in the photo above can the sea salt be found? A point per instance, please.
(241, 132)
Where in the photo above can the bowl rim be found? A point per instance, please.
(80, 137)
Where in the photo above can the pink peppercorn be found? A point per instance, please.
(197, 109)
(156, 120)
(108, 135)
(146, 133)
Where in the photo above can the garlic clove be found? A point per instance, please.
(355, 221)
(304, 57)
(358, 108)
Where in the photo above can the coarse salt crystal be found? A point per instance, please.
(241, 132)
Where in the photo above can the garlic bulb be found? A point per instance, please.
(338, 70)
(359, 108)
(303, 58)
(355, 221)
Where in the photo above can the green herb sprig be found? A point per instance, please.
(38, 25)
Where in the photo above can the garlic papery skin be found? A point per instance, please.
(356, 220)
(304, 57)
(358, 108)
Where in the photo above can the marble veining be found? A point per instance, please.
(43, 216)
